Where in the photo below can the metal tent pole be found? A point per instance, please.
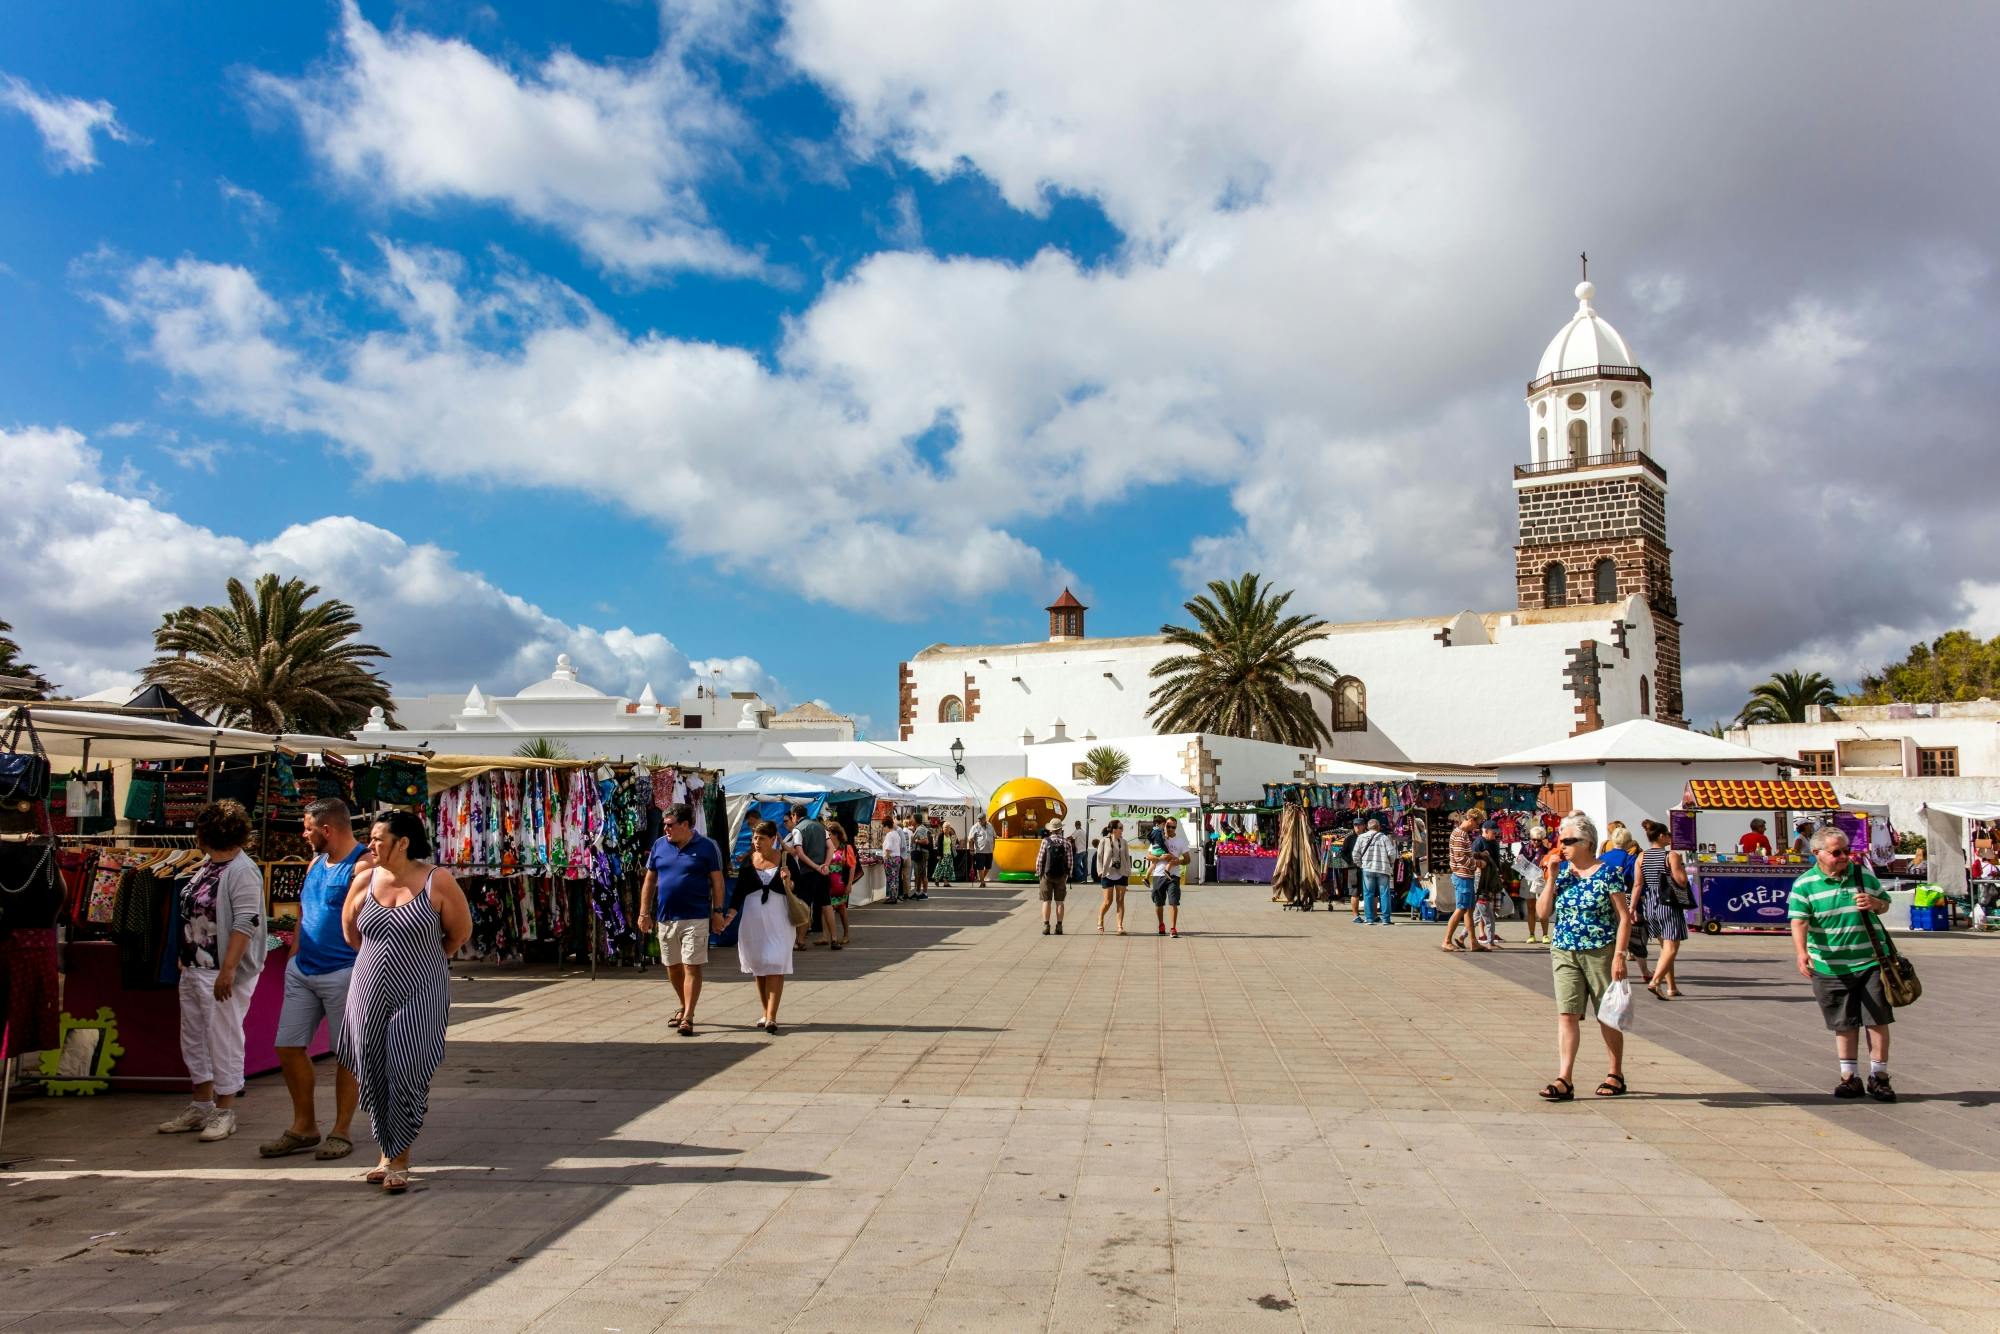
(211, 771)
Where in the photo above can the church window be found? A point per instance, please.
(1617, 434)
(1618, 398)
(1604, 581)
(1555, 585)
(1542, 408)
(1542, 445)
(1575, 402)
(1579, 442)
(1645, 698)
(951, 709)
(1350, 705)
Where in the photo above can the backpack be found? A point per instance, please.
(1056, 865)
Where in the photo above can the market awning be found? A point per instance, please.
(1136, 792)
(1966, 810)
(788, 783)
(114, 736)
(1761, 794)
(937, 790)
(856, 774)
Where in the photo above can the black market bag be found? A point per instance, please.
(1899, 975)
(24, 777)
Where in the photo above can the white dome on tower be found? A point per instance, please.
(1584, 342)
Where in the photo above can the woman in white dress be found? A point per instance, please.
(764, 940)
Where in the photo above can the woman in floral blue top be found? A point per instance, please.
(1585, 900)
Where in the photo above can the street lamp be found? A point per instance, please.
(958, 756)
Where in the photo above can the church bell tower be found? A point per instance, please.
(1593, 503)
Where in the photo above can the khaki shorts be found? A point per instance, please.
(1581, 978)
(684, 941)
(1054, 888)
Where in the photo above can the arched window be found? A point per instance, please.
(1645, 698)
(1555, 585)
(1617, 435)
(1579, 441)
(1350, 705)
(951, 709)
(1604, 581)
(1542, 445)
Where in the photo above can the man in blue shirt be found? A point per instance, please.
(316, 982)
(682, 899)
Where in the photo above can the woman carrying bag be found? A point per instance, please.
(1585, 900)
(1664, 898)
(763, 901)
(1114, 869)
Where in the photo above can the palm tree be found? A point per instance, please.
(1105, 765)
(270, 661)
(541, 748)
(1244, 672)
(1785, 698)
(36, 686)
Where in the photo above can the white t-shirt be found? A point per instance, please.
(982, 838)
(1176, 846)
(892, 844)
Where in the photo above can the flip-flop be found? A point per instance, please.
(288, 1143)
(335, 1146)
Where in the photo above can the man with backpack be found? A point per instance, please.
(1053, 861)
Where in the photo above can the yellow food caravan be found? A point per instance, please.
(1020, 811)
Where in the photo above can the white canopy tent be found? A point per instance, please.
(938, 790)
(1639, 741)
(74, 733)
(865, 777)
(1945, 840)
(1141, 791)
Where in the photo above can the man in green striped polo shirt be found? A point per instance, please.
(1832, 907)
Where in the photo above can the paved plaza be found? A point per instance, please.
(1281, 1121)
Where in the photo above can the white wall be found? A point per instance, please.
(1906, 797)
(1977, 739)
(1426, 702)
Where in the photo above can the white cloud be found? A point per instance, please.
(200, 454)
(256, 209)
(69, 126)
(445, 627)
(610, 155)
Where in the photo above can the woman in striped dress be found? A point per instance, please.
(407, 919)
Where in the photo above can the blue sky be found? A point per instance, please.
(792, 337)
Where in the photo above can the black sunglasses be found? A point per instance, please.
(1571, 842)
(1839, 852)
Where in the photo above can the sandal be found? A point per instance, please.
(1449, 948)
(1559, 1090)
(375, 1174)
(1612, 1087)
(396, 1181)
(685, 1030)
(675, 1022)
(334, 1146)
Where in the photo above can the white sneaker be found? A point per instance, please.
(221, 1125)
(191, 1118)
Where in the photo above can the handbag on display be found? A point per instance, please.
(24, 777)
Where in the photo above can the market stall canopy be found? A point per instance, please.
(1140, 791)
(864, 777)
(115, 736)
(1640, 741)
(789, 783)
(937, 790)
(1966, 810)
(442, 773)
(1359, 771)
(1761, 794)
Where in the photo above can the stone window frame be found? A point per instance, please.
(1350, 715)
(951, 709)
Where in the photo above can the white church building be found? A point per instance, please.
(1592, 640)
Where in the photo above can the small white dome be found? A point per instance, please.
(562, 684)
(1585, 341)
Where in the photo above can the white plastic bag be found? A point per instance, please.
(1615, 1009)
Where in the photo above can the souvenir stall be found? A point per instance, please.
(870, 885)
(1959, 835)
(551, 854)
(110, 896)
(766, 794)
(937, 796)
(1738, 891)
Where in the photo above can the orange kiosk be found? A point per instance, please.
(1020, 811)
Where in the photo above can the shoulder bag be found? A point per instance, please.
(1899, 975)
(24, 777)
(801, 913)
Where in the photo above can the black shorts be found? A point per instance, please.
(982, 861)
(814, 890)
(1852, 1000)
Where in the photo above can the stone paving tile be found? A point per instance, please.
(969, 1126)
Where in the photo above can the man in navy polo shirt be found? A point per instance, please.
(316, 983)
(682, 898)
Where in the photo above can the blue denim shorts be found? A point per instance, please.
(1464, 891)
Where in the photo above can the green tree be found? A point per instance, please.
(1785, 697)
(39, 686)
(541, 748)
(1106, 764)
(271, 660)
(1243, 671)
(1957, 665)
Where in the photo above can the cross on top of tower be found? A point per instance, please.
(1585, 257)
